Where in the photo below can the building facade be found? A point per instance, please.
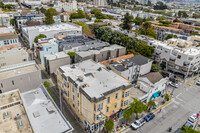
(8, 39)
(29, 33)
(10, 55)
(24, 76)
(92, 95)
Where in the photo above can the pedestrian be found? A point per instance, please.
(160, 110)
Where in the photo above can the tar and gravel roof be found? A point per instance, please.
(96, 77)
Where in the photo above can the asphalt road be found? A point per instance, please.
(186, 101)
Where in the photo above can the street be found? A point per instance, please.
(184, 104)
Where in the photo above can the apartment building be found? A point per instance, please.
(100, 3)
(45, 46)
(103, 54)
(30, 32)
(180, 43)
(94, 92)
(55, 60)
(175, 59)
(4, 20)
(67, 6)
(8, 52)
(9, 38)
(131, 68)
(24, 76)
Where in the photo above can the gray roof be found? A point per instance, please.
(135, 60)
(7, 37)
(153, 77)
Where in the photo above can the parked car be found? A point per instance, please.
(164, 74)
(198, 82)
(173, 84)
(193, 118)
(188, 124)
(149, 117)
(138, 123)
(179, 130)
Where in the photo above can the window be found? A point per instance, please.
(122, 94)
(100, 107)
(68, 93)
(73, 88)
(127, 94)
(94, 107)
(13, 82)
(115, 105)
(121, 103)
(1, 85)
(73, 98)
(78, 95)
(108, 100)
(166, 51)
(107, 109)
(177, 67)
(94, 117)
(78, 103)
(126, 103)
(116, 95)
(179, 56)
(190, 58)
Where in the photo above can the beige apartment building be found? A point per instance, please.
(8, 52)
(94, 92)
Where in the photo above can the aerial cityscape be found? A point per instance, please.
(99, 66)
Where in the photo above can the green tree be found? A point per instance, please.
(155, 68)
(146, 26)
(127, 21)
(182, 14)
(138, 107)
(72, 55)
(109, 125)
(169, 36)
(93, 11)
(189, 130)
(43, 10)
(151, 104)
(160, 6)
(37, 9)
(97, 20)
(12, 21)
(161, 18)
(78, 14)
(177, 20)
(138, 20)
(46, 84)
(49, 16)
(40, 36)
(128, 114)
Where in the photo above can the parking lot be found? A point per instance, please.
(185, 102)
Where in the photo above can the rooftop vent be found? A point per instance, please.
(50, 109)
(99, 69)
(80, 78)
(36, 114)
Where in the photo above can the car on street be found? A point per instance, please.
(193, 118)
(164, 74)
(188, 124)
(138, 123)
(198, 82)
(149, 117)
(173, 84)
(179, 130)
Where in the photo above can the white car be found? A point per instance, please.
(174, 84)
(193, 118)
(138, 123)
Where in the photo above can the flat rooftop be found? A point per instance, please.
(56, 55)
(96, 78)
(8, 123)
(43, 113)
(53, 27)
(17, 69)
(9, 97)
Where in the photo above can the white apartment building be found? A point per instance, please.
(7, 53)
(4, 20)
(67, 6)
(30, 32)
(177, 60)
(9, 39)
(100, 3)
(6, 30)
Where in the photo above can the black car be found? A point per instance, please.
(164, 74)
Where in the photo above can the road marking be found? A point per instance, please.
(178, 95)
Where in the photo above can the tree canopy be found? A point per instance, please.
(12, 21)
(116, 37)
(138, 20)
(46, 84)
(72, 55)
(160, 6)
(155, 68)
(182, 14)
(109, 125)
(40, 36)
(189, 130)
(49, 16)
(97, 20)
(78, 14)
(169, 36)
(127, 21)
